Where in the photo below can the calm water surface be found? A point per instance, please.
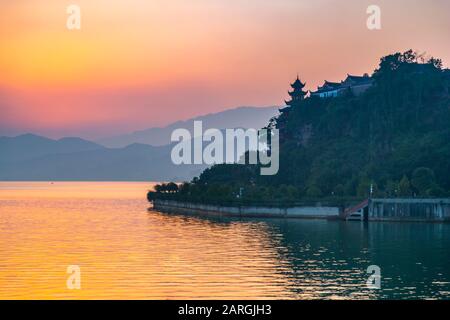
(126, 251)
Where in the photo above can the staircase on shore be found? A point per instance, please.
(356, 213)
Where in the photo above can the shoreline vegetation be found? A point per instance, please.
(392, 141)
(257, 198)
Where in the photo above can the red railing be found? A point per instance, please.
(356, 208)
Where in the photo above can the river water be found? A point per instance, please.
(124, 250)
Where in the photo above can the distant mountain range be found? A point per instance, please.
(29, 146)
(242, 117)
(136, 162)
(32, 157)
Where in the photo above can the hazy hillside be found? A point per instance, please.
(29, 146)
(136, 162)
(243, 117)
(132, 163)
(32, 157)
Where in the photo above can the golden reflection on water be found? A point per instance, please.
(125, 251)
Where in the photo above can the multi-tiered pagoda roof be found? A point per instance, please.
(297, 94)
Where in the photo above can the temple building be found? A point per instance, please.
(356, 85)
(296, 95)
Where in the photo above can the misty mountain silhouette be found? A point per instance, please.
(39, 158)
(30, 146)
(242, 117)
(32, 157)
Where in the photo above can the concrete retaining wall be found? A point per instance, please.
(255, 212)
(428, 210)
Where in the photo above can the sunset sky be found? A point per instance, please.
(141, 63)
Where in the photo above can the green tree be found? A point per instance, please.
(436, 191)
(391, 188)
(363, 189)
(159, 188)
(172, 187)
(423, 179)
(185, 188)
(339, 190)
(404, 187)
(314, 191)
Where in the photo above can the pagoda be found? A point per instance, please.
(297, 94)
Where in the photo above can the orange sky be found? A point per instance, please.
(135, 63)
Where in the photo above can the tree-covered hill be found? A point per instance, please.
(395, 137)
